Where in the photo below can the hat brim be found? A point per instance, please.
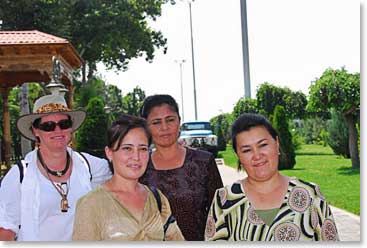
(24, 123)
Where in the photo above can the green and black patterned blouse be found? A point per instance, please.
(304, 215)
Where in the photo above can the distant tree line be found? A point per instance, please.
(330, 115)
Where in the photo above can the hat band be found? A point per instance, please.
(52, 107)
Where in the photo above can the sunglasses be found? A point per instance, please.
(49, 126)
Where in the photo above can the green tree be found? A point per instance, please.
(85, 92)
(14, 111)
(133, 101)
(311, 129)
(337, 137)
(114, 101)
(92, 136)
(287, 158)
(340, 90)
(296, 103)
(268, 96)
(245, 105)
(217, 124)
(44, 15)
(222, 128)
(35, 91)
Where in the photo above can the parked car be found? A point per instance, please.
(199, 134)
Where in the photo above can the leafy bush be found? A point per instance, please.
(337, 138)
(322, 140)
(310, 129)
(222, 128)
(297, 140)
(245, 105)
(287, 158)
(92, 136)
(268, 96)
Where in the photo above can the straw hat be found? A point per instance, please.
(46, 105)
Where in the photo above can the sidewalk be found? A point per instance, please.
(348, 224)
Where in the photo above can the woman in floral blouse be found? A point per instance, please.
(266, 205)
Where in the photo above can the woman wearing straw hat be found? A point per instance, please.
(40, 205)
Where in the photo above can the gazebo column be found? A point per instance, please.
(70, 96)
(70, 103)
(6, 125)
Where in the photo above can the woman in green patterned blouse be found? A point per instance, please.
(266, 205)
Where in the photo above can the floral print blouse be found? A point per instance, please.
(304, 215)
(189, 190)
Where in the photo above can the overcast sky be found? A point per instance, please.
(290, 44)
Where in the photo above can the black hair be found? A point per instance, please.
(157, 100)
(121, 126)
(246, 121)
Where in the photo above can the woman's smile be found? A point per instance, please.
(259, 164)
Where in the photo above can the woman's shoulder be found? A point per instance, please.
(230, 195)
(235, 189)
(310, 188)
(95, 197)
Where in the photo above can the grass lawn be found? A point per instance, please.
(339, 183)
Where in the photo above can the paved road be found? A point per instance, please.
(348, 224)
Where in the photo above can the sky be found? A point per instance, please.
(291, 43)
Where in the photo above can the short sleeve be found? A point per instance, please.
(216, 227)
(322, 218)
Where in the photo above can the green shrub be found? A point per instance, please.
(287, 158)
(297, 140)
(222, 128)
(245, 105)
(322, 139)
(337, 138)
(310, 129)
(92, 136)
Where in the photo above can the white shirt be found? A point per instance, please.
(35, 204)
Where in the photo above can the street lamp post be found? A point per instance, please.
(193, 61)
(245, 50)
(180, 62)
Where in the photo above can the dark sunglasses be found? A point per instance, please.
(49, 126)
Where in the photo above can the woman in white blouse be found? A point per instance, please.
(38, 199)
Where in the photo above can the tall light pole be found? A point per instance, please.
(193, 61)
(245, 53)
(180, 62)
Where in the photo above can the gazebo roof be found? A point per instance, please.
(26, 56)
(29, 37)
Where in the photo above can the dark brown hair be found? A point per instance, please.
(121, 126)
